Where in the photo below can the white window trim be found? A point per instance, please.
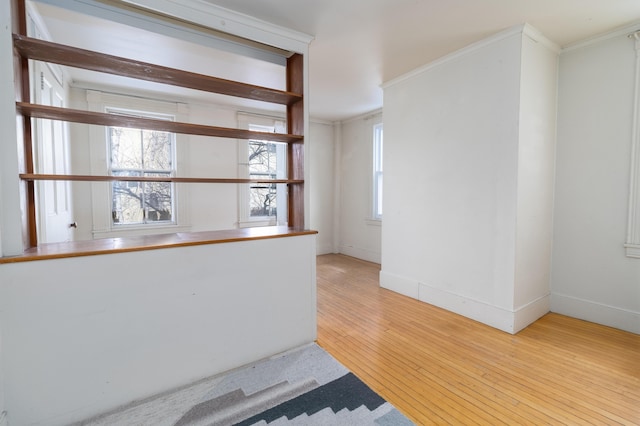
(245, 220)
(103, 226)
(632, 245)
(375, 217)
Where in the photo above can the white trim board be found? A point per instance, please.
(494, 316)
(622, 31)
(228, 21)
(599, 313)
(360, 253)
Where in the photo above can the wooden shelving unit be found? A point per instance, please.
(26, 48)
(104, 119)
(60, 54)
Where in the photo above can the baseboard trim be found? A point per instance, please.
(531, 312)
(493, 316)
(360, 253)
(598, 313)
(402, 285)
(324, 249)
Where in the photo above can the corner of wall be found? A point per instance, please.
(527, 315)
(538, 37)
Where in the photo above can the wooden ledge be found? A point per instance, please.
(151, 242)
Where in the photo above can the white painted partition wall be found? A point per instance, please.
(469, 155)
(86, 335)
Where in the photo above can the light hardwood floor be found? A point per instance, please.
(440, 368)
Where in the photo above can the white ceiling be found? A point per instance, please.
(359, 44)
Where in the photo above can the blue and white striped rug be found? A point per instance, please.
(305, 386)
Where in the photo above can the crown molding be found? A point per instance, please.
(538, 37)
(220, 19)
(619, 32)
(364, 116)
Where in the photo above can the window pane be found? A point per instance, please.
(377, 171)
(158, 203)
(127, 200)
(263, 164)
(157, 150)
(139, 152)
(379, 195)
(262, 200)
(126, 148)
(262, 157)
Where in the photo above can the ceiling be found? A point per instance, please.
(359, 44)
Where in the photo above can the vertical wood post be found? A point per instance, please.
(25, 136)
(295, 151)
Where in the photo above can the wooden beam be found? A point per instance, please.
(105, 119)
(21, 78)
(295, 152)
(101, 178)
(79, 58)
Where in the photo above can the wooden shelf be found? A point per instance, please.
(105, 119)
(151, 242)
(95, 178)
(61, 54)
(27, 48)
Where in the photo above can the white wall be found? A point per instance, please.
(131, 325)
(591, 277)
(451, 157)
(536, 169)
(3, 413)
(359, 235)
(8, 169)
(10, 208)
(321, 150)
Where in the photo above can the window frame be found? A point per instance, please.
(99, 146)
(261, 123)
(377, 171)
(142, 171)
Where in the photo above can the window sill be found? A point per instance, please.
(125, 231)
(151, 242)
(373, 222)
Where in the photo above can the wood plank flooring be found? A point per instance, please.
(440, 368)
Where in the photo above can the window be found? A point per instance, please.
(632, 244)
(377, 171)
(130, 208)
(145, 153)
(263, 204)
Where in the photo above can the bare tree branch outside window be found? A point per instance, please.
(138, 152)
(262, 165)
